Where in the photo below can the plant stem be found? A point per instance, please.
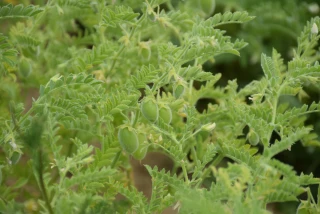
(194, 153)
(217, 160)
(184, 170)
(41, 183)
(207, 170)
(167, 134)
(123, 45)
(191, 81)
(136, 117)
(274, 108)
(115, 160)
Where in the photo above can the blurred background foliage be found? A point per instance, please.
(277, 25)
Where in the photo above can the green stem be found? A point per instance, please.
(125, 116)
(194, 153)
(275, 103)
(42, 185)
(311, 196)
(175, 167)
(167, 134)
(123, 45)
(185, 173)
(217, 160)
(101, 135)
(190, 136)
(70, 147)
(155, 85)
(115, 160)
(207, 170)
(136, 117)
(191, 81)
(274, 108)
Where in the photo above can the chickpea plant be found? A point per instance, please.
(120, 79)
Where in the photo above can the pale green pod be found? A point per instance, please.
(149, 109)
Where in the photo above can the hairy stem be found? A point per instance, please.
(274, 107)
(41, 183)
(115, 160)
(207, 170)
(185, 172)
(123, 45)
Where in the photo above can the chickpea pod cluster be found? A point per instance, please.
(152, 111)
(133, 143)
(136, 143)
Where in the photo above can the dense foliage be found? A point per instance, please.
(116, 80)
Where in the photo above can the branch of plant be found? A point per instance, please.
(123, 45)
(216, 161)
(42, 184)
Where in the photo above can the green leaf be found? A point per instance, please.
(229, 18)
(286, 142)
(19, 11)
(268, 66)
